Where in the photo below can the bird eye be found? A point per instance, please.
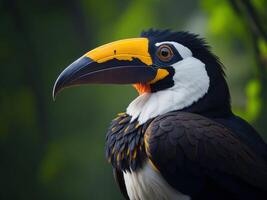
(165, 53)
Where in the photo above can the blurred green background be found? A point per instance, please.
(55, 150)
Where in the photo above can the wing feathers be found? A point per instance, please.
(192, 142)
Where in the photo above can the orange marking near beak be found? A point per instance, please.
(142, 88)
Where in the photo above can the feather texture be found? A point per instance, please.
(194, 148)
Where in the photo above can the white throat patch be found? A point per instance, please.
(191, 82)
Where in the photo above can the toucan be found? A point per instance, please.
(179, 139)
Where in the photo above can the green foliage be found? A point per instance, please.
(254, 103)
(139, 12)
(226, 25)
(221, 16)
(263, 48)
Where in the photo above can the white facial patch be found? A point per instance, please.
(191, 82)
(182, 50)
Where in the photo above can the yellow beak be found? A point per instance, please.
(127, 49)
(122, 62)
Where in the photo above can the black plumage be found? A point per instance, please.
(124, 143)
(203, 150)
(196, 155)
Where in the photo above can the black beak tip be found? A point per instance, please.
(58, 86)
(54, 94)
(55, 91)
(67, 76)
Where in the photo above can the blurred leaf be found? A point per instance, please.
(253, 105)
(254, 102)
(263, 47)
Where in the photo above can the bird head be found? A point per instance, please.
(170, 70)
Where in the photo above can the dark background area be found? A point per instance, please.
(55, 150)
